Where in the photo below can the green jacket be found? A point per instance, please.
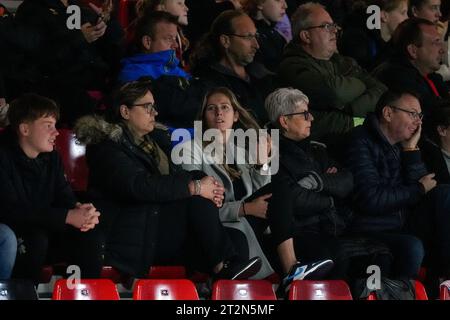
(338, 89)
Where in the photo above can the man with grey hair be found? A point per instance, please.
(338, 88)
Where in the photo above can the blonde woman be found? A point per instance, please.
(221, 111)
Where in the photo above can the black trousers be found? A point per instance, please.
(193, 235)
(430, 222)
(37, 247)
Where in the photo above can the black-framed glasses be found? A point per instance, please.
(413, 114)
(248, 37)
(148, 106)
(306, 114)
(329, 27)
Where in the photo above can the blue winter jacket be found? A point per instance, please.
(154, 65)
(386, 179)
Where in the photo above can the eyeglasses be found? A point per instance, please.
(149, 107)
(330, 27)
(306, 114)
(215, 108)
(248, 37)
(414, 115)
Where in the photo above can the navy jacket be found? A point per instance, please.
(386, 178)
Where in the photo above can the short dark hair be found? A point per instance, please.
(127, 95)
(30, 107)
(389, 5)
(146, 25)
(415, 4)
(390, 97)
(440, 117)
(409, 32)
(209, 48)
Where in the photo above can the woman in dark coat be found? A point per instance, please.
(308, 212)
(154, 213)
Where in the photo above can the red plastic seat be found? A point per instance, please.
(274, 278)
(73, 157)
(445, 290)
(243, 290)
(86, 289)
(165, 289)
(46, 274)
(166, 272)
(319, 290)
(125, 11)
(112, 274)
(421, 293)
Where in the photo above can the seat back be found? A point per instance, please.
(319, 290)
(165, 289)
(420, 292)
(73, 157)
(86, 289)
(125, 12)
(167, 272)
(243, 290)
(17, 289)
(445, 290)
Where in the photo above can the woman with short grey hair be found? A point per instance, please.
(283, 101)
(307, 212)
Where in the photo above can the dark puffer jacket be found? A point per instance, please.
(386, 178)
(127, 187)
(315, 207)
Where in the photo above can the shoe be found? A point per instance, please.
(316, 270)
(239, 270)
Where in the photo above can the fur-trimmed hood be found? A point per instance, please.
(95, 129)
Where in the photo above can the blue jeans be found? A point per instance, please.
(407, 250)
(8, 248)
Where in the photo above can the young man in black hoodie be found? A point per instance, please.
(36, 200)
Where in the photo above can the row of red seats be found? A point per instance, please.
(184, 289)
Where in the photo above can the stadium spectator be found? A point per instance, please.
(436, 149)
(222, 111)
(308, 211)
(154, 212)
(67, 63)
(224, 58)
(370, 47)
(179, 95)
(426, 9)
(8, 248)
(337, 87)
(396, 197)
(177, 8)
(418, 54)
(266, 14)
(431, 10)
(36, 201)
